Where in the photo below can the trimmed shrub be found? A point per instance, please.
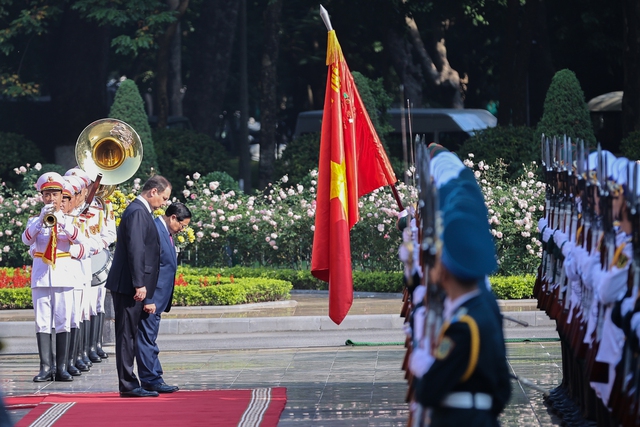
(513, 287)
(183, 152)
(128, 106)
(565, 110)
(242, 291)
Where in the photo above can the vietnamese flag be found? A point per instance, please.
(352, 163)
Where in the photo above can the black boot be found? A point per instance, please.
(79, 350)
(86, 342)
(44, 351)
(103, 354)
(62, 355)
(73, 345)
(93, 340)
(53, 351)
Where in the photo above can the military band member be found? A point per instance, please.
(83, 362)
(52, 277)
(79, 252)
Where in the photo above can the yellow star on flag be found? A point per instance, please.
(339, 184)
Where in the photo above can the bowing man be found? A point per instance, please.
(175, 219)
(134, 275)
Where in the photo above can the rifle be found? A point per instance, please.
(597, 371)
(434, 296)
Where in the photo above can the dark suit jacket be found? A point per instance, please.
(168, 266)
(136, 260)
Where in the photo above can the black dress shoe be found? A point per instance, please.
(138, 392)
(161, 388)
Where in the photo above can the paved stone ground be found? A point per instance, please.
(328, 383)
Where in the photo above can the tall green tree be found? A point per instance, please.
(129, 107)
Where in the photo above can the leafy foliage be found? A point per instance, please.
(301, 155)
(180, 152)
(514, 145)
(28, 184)
(140, 21)
(16, 150)
(15, 298)
(514, 207)
(513, 287)
(630, 145)
(565, 110)
(129, 107)
(204, 290)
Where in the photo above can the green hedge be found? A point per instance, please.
(11, 298)
(363, 281)
(242, 291)
(202, 286)
(513, 287)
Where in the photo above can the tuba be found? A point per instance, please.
(111, 149)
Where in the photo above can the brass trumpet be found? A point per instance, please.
(49, 220)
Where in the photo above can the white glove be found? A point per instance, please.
(420, 360)
(59, 217)
(627, 305)
(67, 223)
(542, 223)
(46, 209)
(547, 233)
(559, 237)
(567, 248)
(407, 329)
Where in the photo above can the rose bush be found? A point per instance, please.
(274, 228)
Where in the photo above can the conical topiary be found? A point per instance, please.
(128, 106)
(565, 110)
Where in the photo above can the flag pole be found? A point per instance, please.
(327, 22)
(325, 17)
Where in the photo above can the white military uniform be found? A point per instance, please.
(52, 285)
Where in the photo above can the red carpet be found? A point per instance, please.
(243, 408)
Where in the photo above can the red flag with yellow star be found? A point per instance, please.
(352, 163)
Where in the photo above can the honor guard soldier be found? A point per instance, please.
(461, 374)
(52, 276)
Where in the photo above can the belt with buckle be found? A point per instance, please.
(467, 400)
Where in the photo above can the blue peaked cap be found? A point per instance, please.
(468, 248)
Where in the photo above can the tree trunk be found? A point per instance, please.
(409, 73)
(162, 69)
(269, 85)
(215, 30)
(631, 61)
(78, 93)
(509, 97)
(541, 68)
(175, 71)
(243, 144)
(514, 66)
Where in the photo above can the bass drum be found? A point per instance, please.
(100, 266)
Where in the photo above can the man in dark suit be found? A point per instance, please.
(134, 275)
(175, 219)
